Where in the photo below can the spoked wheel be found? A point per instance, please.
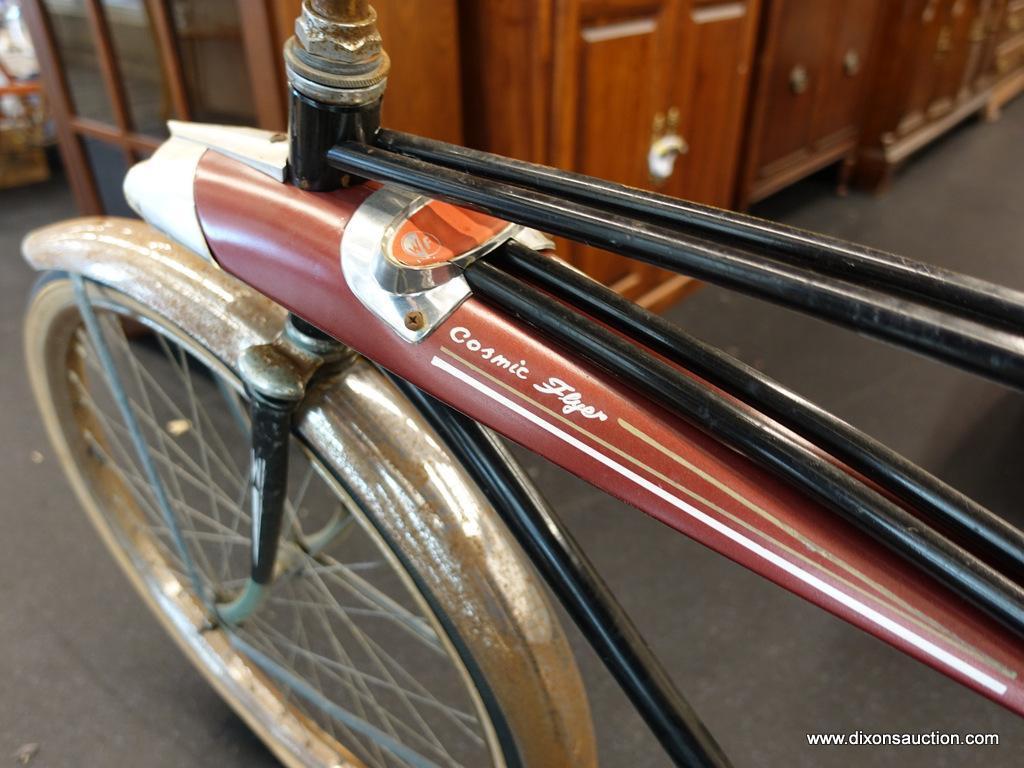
(359, 654)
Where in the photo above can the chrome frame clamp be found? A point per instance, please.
(412, 300)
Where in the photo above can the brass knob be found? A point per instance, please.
(798, 79)
(977, 33)
(851, 63)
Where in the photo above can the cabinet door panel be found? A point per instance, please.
(930, 17)
(424, 86)
(612, 68)
(424, 93)
(711, 91)
(979, 70)
(844, 73)
(952, 54)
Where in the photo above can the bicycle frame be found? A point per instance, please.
(223, 192)
(600, 430)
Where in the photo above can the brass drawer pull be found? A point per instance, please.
(798, 79)
(666, 146)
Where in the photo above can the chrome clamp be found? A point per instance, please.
(414, 295)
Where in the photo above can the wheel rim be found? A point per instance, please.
(343, 615)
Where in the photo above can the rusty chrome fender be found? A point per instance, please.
(371, 437)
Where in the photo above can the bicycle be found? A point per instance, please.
(254, 397)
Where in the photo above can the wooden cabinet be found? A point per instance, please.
(589, 85)
(1005, 55)
(932, 72)
(809, 93)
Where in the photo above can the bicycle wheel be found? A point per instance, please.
(382, 637)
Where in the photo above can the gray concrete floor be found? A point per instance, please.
(86, 673)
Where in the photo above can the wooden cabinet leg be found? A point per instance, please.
(873, 174)
(993, 110)
(845, 172)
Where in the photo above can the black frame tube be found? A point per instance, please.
(313, 128)
(761, 440)
(268, 479)
(577, 585)
(954, 291)
(965, 519)
(960, 341)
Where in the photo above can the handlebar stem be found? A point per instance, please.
(337, 69)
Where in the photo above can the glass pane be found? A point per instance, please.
(138, 60)
(77, 52)
(108, 167)
(209, 38)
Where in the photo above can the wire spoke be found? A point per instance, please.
(342, 676)
(137, 482)
(345, 577)
(196, 403)
(339, 671)
(195, 407)
(333, 635)
(142, 373)
(269, 647)
(140, 485)
(378, 655)
(196, 477)
(425, 699)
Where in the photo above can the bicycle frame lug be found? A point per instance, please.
(311, 339)
(271, 374)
